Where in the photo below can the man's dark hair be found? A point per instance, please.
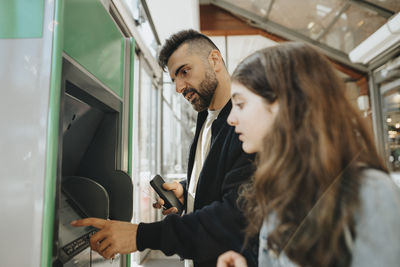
(196, 40)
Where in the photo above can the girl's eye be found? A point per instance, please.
(239, 105)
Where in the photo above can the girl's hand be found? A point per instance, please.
(231, 259)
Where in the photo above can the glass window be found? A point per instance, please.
(178, 127)
(353, 26)
(309, 17)
(145, 144)
(340, 24)
(391, 105)
(134, 7)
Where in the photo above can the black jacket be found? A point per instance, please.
(216, 225)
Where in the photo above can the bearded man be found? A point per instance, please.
(212, 222)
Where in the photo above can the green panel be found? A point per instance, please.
(94, 41)
(21, 18)
(52, 137)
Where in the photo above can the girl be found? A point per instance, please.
(321, 195)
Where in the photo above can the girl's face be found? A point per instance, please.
(252, 117)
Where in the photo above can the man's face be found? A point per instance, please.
(194, 78)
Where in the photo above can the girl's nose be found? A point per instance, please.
(231, 120)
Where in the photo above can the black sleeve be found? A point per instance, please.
(206, 233)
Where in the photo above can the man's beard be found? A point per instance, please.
(207, 88)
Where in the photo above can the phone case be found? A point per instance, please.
(168, 196)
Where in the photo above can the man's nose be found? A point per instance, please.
(180, 86)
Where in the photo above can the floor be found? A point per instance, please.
(158, 259)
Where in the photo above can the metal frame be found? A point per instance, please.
(125, 110)
(121, 11)
(135, 132)
(376, 107)
(334, 20)
(148, 15)
(269, 8)
(390, 53)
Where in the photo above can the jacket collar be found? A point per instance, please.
(217, 125)
(202, 116)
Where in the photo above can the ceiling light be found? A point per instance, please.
(323, 10)
(379, 41)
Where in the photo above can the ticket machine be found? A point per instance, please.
(90, 182)
(93, 130)
(66, 103)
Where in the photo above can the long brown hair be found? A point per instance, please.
(308, 172)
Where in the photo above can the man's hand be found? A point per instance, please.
(113, 236)
(231, 259)
(177, 188)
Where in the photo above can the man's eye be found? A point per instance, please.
(184, 72)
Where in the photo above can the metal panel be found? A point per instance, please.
(94, 41)
(377, 116)
(130, 101)
(25, 68)
(126, 261)
(21, 18)
(90, 86)
(124, 137)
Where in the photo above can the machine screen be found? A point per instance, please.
(72, 239)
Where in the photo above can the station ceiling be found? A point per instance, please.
(335, 26)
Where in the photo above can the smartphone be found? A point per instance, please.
(168, 196)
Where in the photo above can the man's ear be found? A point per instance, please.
(215, 60)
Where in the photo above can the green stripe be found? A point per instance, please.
(52, 137)
(21, 18)
(131, 83)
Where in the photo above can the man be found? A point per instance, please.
(217, 167)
